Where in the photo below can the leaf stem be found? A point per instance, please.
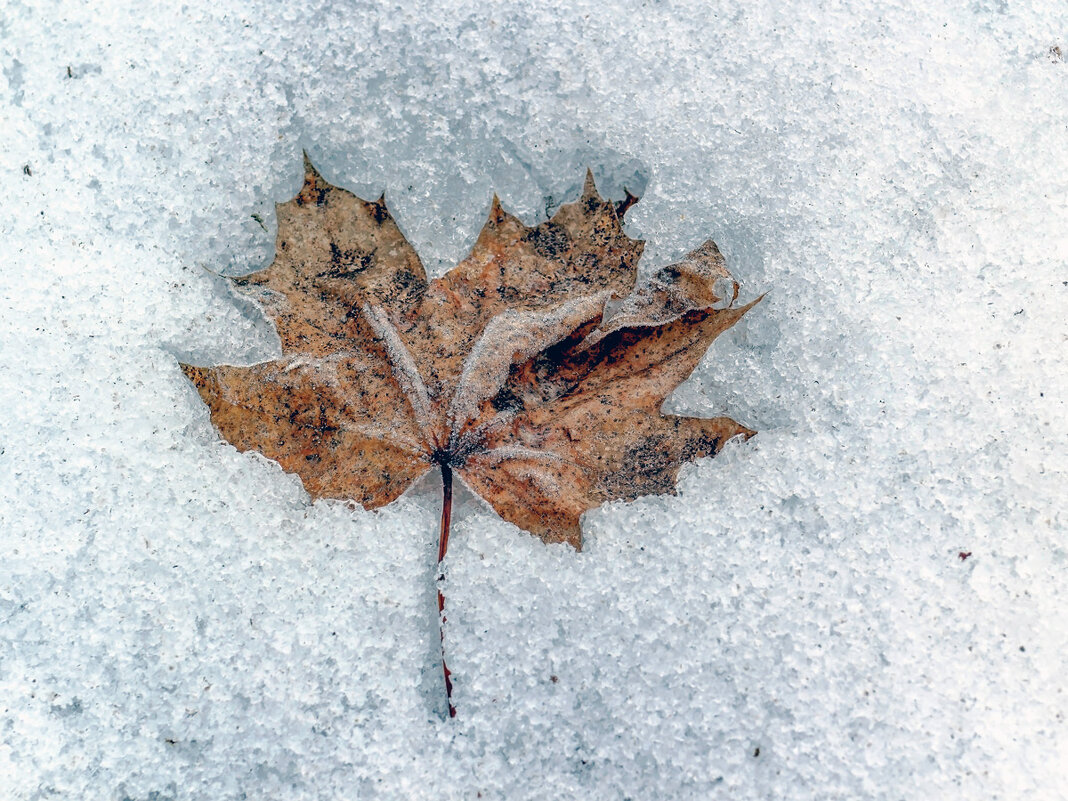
(443, 547)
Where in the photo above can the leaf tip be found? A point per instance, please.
(378, 210)
(589, 187)
(314, 189)
(707, 250)
(753, 303)
(496, 213)
(624, 205)
(194, 374)
(310, 173)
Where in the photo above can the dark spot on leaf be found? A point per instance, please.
(506, 400)
(549, 240)
(646, 469)
(379, 211)
(697, 447)
(345, 263)
(312, 192)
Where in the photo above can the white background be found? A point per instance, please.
(178, 621)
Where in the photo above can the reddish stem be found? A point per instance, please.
(443, 546)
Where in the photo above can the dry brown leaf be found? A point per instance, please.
(535, 368)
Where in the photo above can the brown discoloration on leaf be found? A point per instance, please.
(581, 252)
(699, 281)
(334, 253)
(623, 206)
(535, 368)
(596, 409)
(341, 424)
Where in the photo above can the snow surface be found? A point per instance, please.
(177, 621)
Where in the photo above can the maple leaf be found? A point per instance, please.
(536, 368)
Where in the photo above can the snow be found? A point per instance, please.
(864, 601)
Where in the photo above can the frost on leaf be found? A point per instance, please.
(535, 369)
